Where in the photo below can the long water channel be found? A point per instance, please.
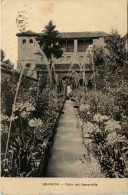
(69, 156)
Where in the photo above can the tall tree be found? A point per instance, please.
(116, 50)
(111, 62)
(99, 61)
(2, 55)
(7, 64)
(50, 43)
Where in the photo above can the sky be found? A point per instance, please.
(67, 15)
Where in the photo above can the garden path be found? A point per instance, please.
(69, 157)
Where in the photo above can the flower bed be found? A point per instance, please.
(28, 146)
(103, 136)
(33, 125)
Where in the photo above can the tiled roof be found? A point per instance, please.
(27, 33)
(69, 35)
(82, 34)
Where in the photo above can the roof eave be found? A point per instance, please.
(85, 37)
(26, 35)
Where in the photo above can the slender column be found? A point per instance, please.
(66, 46)
(75, 45)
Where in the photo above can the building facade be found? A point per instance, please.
(77, 52)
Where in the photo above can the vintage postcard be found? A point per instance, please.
(64, 97)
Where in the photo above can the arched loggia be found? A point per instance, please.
(81, 82)
(66, 83)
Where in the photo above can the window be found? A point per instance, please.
(24, 41)
(68, 58)
(62, 58)
(81, 45)
(89, 41)
(38, 74)
(70, 46)
(81, 58)
(31, 41)
(63, 43)
(28, 65)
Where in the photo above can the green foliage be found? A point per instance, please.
(111, 66)
(20, 158)
(100, 62)
(7, 64)
(8, 88)
(49, 41)
(2, 55)
(104, 125)
(35, 114)
(104, 113)
(117, 50)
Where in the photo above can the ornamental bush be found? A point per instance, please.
(33, 119)
(104, 136)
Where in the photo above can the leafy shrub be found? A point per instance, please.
(103, 134)
(34, 115)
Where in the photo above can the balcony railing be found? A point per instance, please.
(69, 49)
(81, 48)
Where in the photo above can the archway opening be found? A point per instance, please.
(81, 82)
(90, 84)
(65, 85)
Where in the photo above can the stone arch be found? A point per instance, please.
(81, 59)
(81, 82)
(64, 82)
(68, 58)
(60, 75)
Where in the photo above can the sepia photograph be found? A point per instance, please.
(64, 89)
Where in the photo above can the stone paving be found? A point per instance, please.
(69, 156)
